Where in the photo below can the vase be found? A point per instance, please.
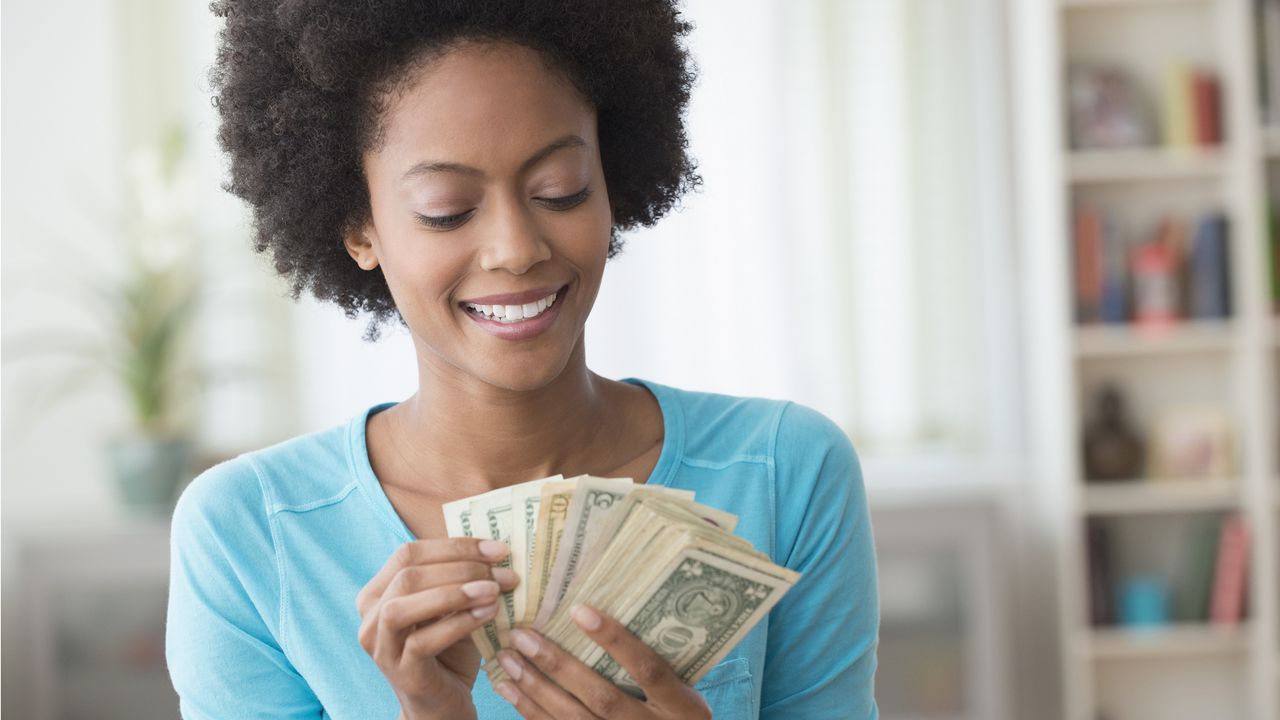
(148, 471)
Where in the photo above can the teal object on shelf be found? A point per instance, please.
(1143, 602)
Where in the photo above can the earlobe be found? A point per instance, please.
(360, 247)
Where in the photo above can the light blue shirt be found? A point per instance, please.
(270, 549)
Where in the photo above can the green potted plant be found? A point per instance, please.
(146, 308)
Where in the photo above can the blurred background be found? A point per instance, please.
(1024, 252)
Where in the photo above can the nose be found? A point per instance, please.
(513, 241)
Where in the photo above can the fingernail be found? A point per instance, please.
(493, 549)
(525, 642)
(511, 665)
(484, 612)
(505, 576)
(508, 692)
(477, 589)
(586, 618)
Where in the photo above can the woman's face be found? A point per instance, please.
(488, 200)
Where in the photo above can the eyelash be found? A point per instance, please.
(448, 222)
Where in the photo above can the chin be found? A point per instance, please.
(521, 376)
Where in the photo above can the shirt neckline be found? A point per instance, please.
(362, 469)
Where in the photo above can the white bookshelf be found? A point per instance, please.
(1178, 640)
(1182, 670)
(1102, 166)
(1136, 497)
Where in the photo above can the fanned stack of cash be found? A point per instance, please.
(669, 569)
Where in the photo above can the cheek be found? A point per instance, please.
(419, 274)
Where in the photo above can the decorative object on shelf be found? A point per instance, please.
(1192, 442)
(1112, 449)
(1156, 270)
(1143, 602)
(1107, 110)
(1192, 107)
(1208, 270)
(1229, 580)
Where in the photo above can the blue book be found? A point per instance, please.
(1114, 305)
(1209, 270)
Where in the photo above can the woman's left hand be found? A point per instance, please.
(552, 684)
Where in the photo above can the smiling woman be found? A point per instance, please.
(466, 169)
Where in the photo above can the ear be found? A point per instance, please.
(359, 243)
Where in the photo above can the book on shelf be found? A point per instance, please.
(1102, 271)
(1191, 603)
(1159, 282)
(1211, 583)
(1268, 32)
(1098, 540)
(1273, 244)
(1227, 604)
(1192, 107)
(1208, 270)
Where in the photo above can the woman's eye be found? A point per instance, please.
(443, 222)
(569, 201)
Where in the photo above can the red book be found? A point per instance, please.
(1227, 605)
(1206, 101)
(1088, 256)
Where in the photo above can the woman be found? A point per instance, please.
(464, 168)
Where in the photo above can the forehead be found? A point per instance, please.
(486, 105)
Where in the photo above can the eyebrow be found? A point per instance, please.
(427, 167)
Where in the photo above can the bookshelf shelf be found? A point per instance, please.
(1104, 166)
(1160, 496)
(1092, 4)
(1178, 640)
(1129, 340)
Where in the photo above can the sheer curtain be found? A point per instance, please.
(851, 247)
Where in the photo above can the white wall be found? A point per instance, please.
(61, 128)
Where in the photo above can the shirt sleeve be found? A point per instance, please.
(820, 661)
(220, 638)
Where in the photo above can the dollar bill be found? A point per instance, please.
(461, 519)
(592, 500)
(553, 512)
(526, 499)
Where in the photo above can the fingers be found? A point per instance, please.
(523, 704)
(384, 632)
(428, 552)
(577, 690)
(661, 685)
(430, 640)
(422, 577)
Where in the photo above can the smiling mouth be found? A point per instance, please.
(512, 314)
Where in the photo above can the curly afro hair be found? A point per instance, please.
(300, 84)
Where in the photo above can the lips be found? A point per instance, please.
(516, 298)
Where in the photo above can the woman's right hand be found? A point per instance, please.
(417, 615)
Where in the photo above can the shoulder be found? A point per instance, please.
(779, 431)
(294, 472)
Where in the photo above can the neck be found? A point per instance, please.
(482, 437)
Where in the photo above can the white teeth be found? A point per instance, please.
(513, 313)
